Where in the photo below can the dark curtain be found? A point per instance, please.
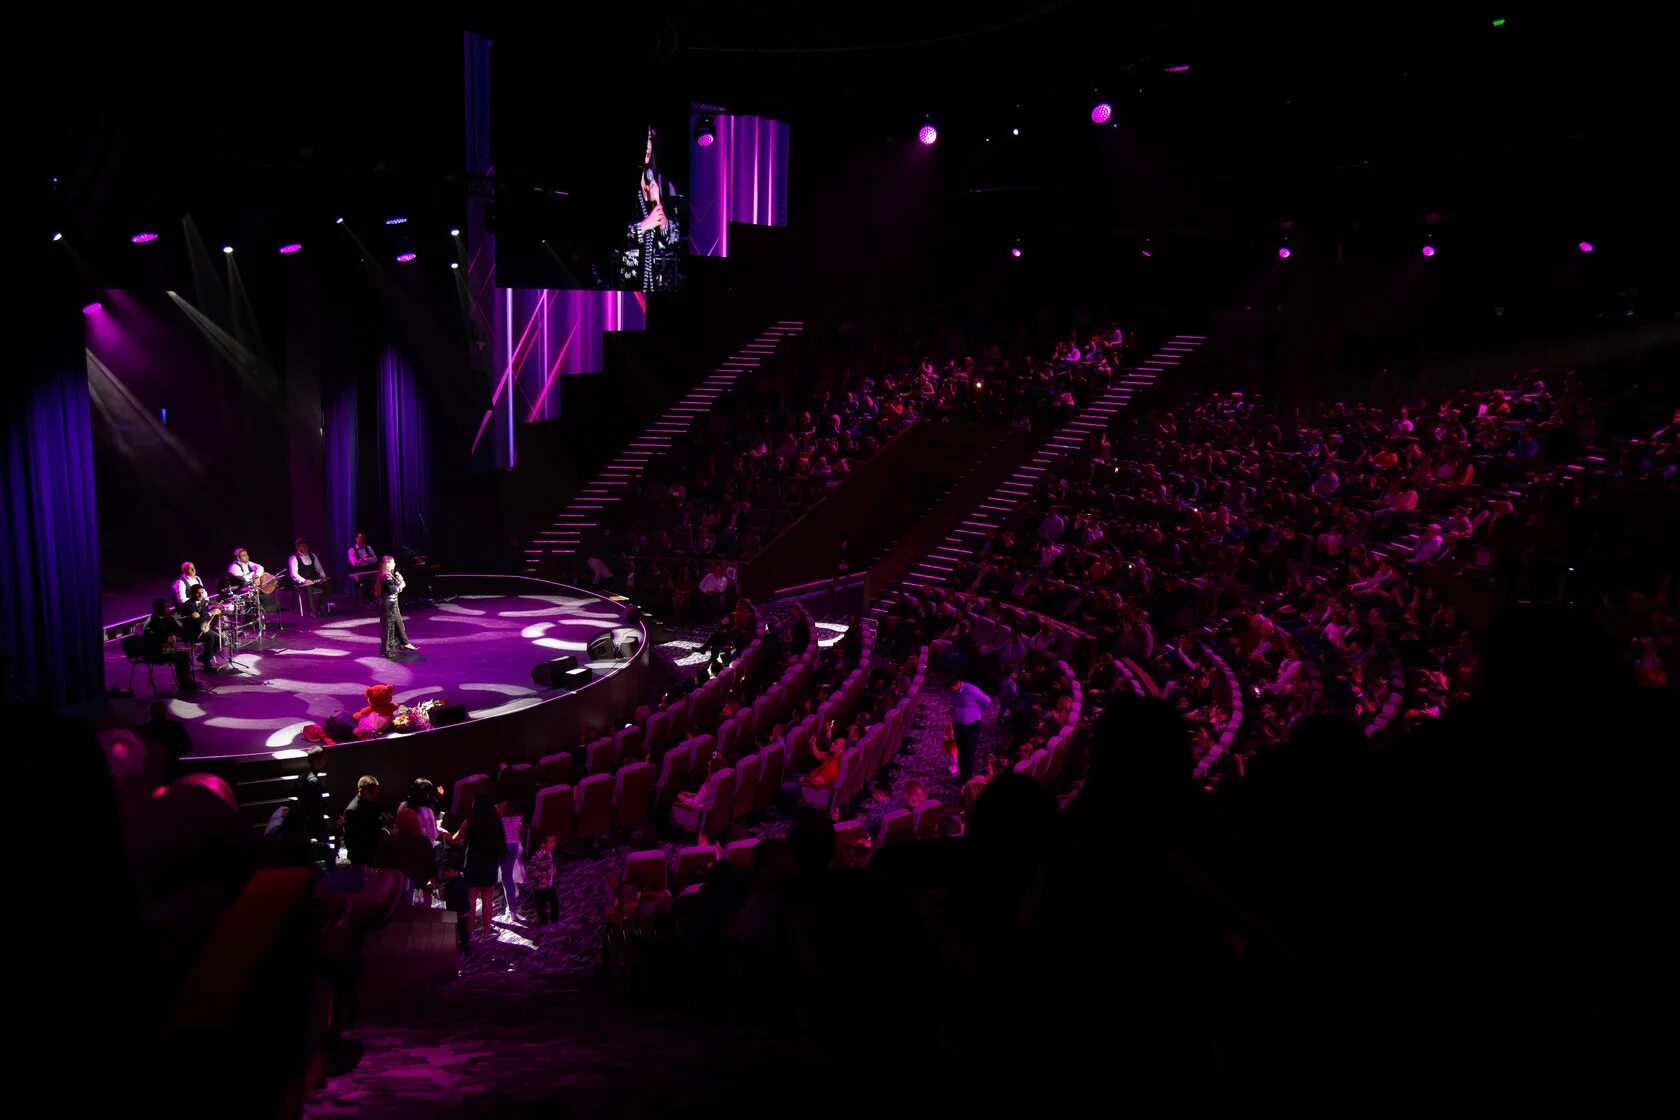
(342, 477)
(405, 452)
(49, 555)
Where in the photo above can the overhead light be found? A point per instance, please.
(1015, 251)
(454, 233)
(1283, 252)
(227, 249)
(294, 247)
(143, 238)
(338, 221)
(91, 308)
(1429, 250)
(1101, 112)
(928, 135)
(454, 264)
(58, 237)
(395, 221)
(404, 258)
(1584, 246)
(1179, 69)
(705, 134)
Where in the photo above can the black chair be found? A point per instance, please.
(134, 648)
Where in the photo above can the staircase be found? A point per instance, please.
(560, 542)
(963, 543)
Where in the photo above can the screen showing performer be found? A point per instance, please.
(652, 258)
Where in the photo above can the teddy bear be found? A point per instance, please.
(375, 719)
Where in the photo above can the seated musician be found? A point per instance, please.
(309, 576)
(189, 580)
(159, 638)
(364, 566)
(243, 572)
(197, 620)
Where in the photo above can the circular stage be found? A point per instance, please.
(478, 645)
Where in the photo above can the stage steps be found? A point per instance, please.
(963, 543)
(562, 541)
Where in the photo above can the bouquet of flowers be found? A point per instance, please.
(416, 717)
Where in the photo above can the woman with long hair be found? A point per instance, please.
(486, 845)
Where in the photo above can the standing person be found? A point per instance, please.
(486, 845)
(309, 576)
(363, 561)
(423, 799)
(539, 876)
(968, 706)
(362, 827)
(513, 827)
(387, 585)
(159, 640)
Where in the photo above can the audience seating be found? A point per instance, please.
(594, 806)
(555, 814)
(632, 791)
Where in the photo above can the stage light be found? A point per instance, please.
(142, 238)
(58, 237)
(227, 249)
(1283, 252)
(1014, 132)
(928, 134)
(454, 264)
(338, 221)
(294, 247)
(1015, 252)
(92, 308)
(1499, 23)
(1146, 252)
(1179, 69)
(395, 221)
(1429, 250)
(454, 233)
(704, 133)
(1584, 246)
(404, 258)
(1101, 112)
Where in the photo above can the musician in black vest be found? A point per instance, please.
(244, 572)
(364, 568)
(387, 585)
(197, 619)
(159, 638)
(309, 576)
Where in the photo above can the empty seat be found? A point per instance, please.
(740, 853)
(594, 806)
(692, 864)
(747, 772)
(899, 820)
(555, 813)
(929, 815)
(1040, 765)
(659, 731)
(646, 871)
(632, 793)
(847, 836)
(466, 792)
(601, 756)
(772, 764)
(629, 740)
(556, 768)
(674, 769)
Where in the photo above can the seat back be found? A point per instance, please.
(740, 853)
(747, 772)
(632, 793)
(134, 647)
(555, 813)
(772, 764)
(674, 769)
(594, 806)
(1040, 766)
(645, 871)
(899, 820)
(466, 792)
(929, 815)
(601, 756)
(692, 864)
(556, 768)
(847, 835)
(723, 805)
(659, 731)
(629, 740)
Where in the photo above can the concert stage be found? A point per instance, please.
(477, 647)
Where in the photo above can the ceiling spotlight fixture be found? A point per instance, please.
(928, 134)
(338, 221)
(1283, 252)
(395, 221)
(1429, 250)
(454, 233)
(1179, 69)
(705, 134)
(91, 308)
(404, 258)
(1015, 252)
(58, 237)
(1146, 252)
(454, 264)
(142, 238)
(227, 249)
(1584, 246)
(294, 247)
(1101, 112)
(1014, 132)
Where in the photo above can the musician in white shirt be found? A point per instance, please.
(309, 576)
(242, 571)
(364, 561)
(189, 580)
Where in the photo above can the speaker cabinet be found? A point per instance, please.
(445, 714)
(550, 674)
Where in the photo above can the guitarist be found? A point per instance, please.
(309, 576)
(243, 573)
(197, 624)
(159, 639)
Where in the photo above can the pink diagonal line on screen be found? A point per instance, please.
(523, 350)
(641, 299)
(552, 370)
(482, 424)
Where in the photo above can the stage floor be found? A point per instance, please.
(477, 650)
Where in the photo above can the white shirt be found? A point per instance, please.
(184, 586)
(361, 555)
(246, 572)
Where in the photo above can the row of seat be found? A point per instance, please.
(864, 759)
(1045, 764)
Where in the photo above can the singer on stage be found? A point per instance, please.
(653, 243)
(387, 585)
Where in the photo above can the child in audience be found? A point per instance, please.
(539, 876)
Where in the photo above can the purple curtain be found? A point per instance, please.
(405, 450)
(49, 547)
(342, 478)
